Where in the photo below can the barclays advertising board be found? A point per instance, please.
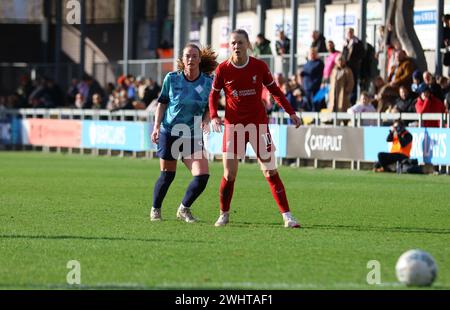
(430, 145)
(127, 136)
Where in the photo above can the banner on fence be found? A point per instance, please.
(125, 136)
(51, 132)
(325, 143)
(430, 145)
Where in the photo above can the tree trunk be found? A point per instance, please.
(401, 17)
(404, 26)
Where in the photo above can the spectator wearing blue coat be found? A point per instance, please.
(311, 76)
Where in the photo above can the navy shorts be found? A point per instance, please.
(171, 147)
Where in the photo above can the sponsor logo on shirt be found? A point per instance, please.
(247, 92)
(243, 93)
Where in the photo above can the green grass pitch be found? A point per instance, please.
(56, 208)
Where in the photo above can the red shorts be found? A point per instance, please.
(237, 136)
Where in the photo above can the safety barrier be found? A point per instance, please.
(102, 131)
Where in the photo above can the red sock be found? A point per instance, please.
(226, 193)
(278, 192)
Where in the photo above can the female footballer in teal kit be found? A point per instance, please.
(183, 104)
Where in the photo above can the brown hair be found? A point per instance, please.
(241, 32)
(208, 58)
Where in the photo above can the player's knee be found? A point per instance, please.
(270, 173)
(167, 176)
(230, 176)
(201, 181)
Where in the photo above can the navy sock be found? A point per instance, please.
(195, 188)
(161, 187)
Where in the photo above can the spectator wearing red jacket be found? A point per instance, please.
(428, 103)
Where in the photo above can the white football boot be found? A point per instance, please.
(185, 214)
(223, 219)
(155, 214)
(290, 221)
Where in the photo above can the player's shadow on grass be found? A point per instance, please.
(88, 238)
(440, 231)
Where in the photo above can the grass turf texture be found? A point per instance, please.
(55, 208)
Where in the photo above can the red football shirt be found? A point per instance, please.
(243, 88)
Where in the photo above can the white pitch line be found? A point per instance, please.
(292, 286)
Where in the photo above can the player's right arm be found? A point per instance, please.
(163, 101)
(214, 96)
(160, 110)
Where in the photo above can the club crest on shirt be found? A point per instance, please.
(254, 79)
(199, 89)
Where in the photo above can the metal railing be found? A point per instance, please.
(309, 118)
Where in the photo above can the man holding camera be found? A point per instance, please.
(400, 150)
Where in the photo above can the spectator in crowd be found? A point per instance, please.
(79, 101)
(97, 102)
(140, 87)
(93, 88)
(400, 150)
(300, 100)
(283, 44)
(417, 80)
(47, 95)
(391, 53)
(375, 86)
(428, 103)
(364, 105)
(267, 97)
(330, 61)
(34, 97)
(318, 42)
(130, 87)
(400, 74)
(262, 46)
(110, 87)
(119, 100)
(406, 103)
(442, 81)
(72, 92)
(341, 86)
(55, 93)
(383, 43)
(369, 67)
(151, 91)
(311, 76)
(435, 89)
(446, 30)
(122, 81)
(288, 92)
(24, 90)
(83, 87)
(297, 91)
(353, 53)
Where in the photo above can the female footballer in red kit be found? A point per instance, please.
(242, 78)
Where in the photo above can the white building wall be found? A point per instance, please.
(334, 26)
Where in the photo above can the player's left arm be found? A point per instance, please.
(278, 96)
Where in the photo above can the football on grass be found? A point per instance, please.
(416, 268)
